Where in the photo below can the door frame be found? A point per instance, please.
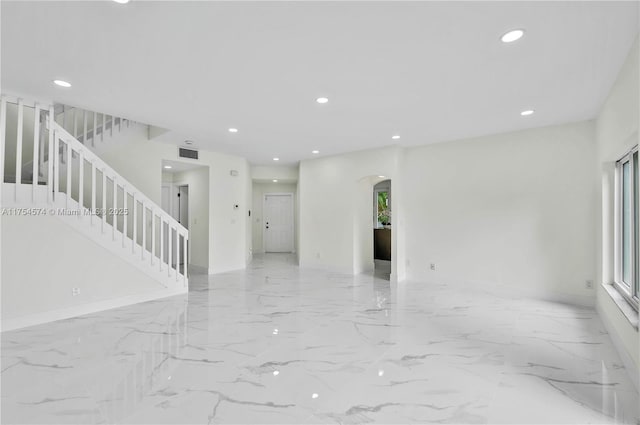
(293, 215)
(174, 189)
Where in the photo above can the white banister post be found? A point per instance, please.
(55, 172)
(104, 126)
(114, 219)
(93, 190)
(144, 227)
(134, 223)
(125, 215)
(75, 122)
(104, 199)
(42, 125)
(153, 235)
(36, 149)
(51, 156)
(170, 237)
(186, 258)
(65, 118)
(95, 128)
(177, 254)
(161, 242)
(19, 145)
(112, 124)
(81, 183)
(84, 127)
(3, 135)
(69, 166)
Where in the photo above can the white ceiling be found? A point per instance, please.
(429, 71)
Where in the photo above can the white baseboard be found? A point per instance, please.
(629, 364)
(88, 308)
(543, 293)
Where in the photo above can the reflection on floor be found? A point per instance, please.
(382, 269)
(276, 344)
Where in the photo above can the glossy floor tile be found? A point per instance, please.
(276, 344)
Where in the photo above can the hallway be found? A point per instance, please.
(277, 344)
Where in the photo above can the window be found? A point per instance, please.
(382, 202)
(383, 206)
(627, 228)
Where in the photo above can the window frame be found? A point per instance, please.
(628, 290)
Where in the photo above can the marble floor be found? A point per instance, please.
(276, 344)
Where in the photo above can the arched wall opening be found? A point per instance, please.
(372, 226)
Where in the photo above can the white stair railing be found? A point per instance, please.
(88, 126)
(79, 180)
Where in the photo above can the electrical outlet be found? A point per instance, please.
(588, 284)
(75, 291)
(432, 266)
(318, 255)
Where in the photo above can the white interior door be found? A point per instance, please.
(277, 215)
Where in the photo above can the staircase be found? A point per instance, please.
(49, 169)
(89, 127)
(93, 129)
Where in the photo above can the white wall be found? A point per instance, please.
(139, 160)
(335, 197)
(198, 181)
(266, 173)
(363, 225)
(134, 157)
(616, 134)
(514, 209)
(66, 259)
(511, 209)
(259, 190)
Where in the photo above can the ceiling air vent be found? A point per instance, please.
(187, 153)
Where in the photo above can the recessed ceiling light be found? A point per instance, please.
(381, 177)
(512, 36)
(275, 180)
(61, 83)
(276, 159)
(322, 100)
(167, 167)
(122, 1)
(188, 142)
(315, 152)
(314, 395)
(233, 130)
(396, 137)
(527, 112)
